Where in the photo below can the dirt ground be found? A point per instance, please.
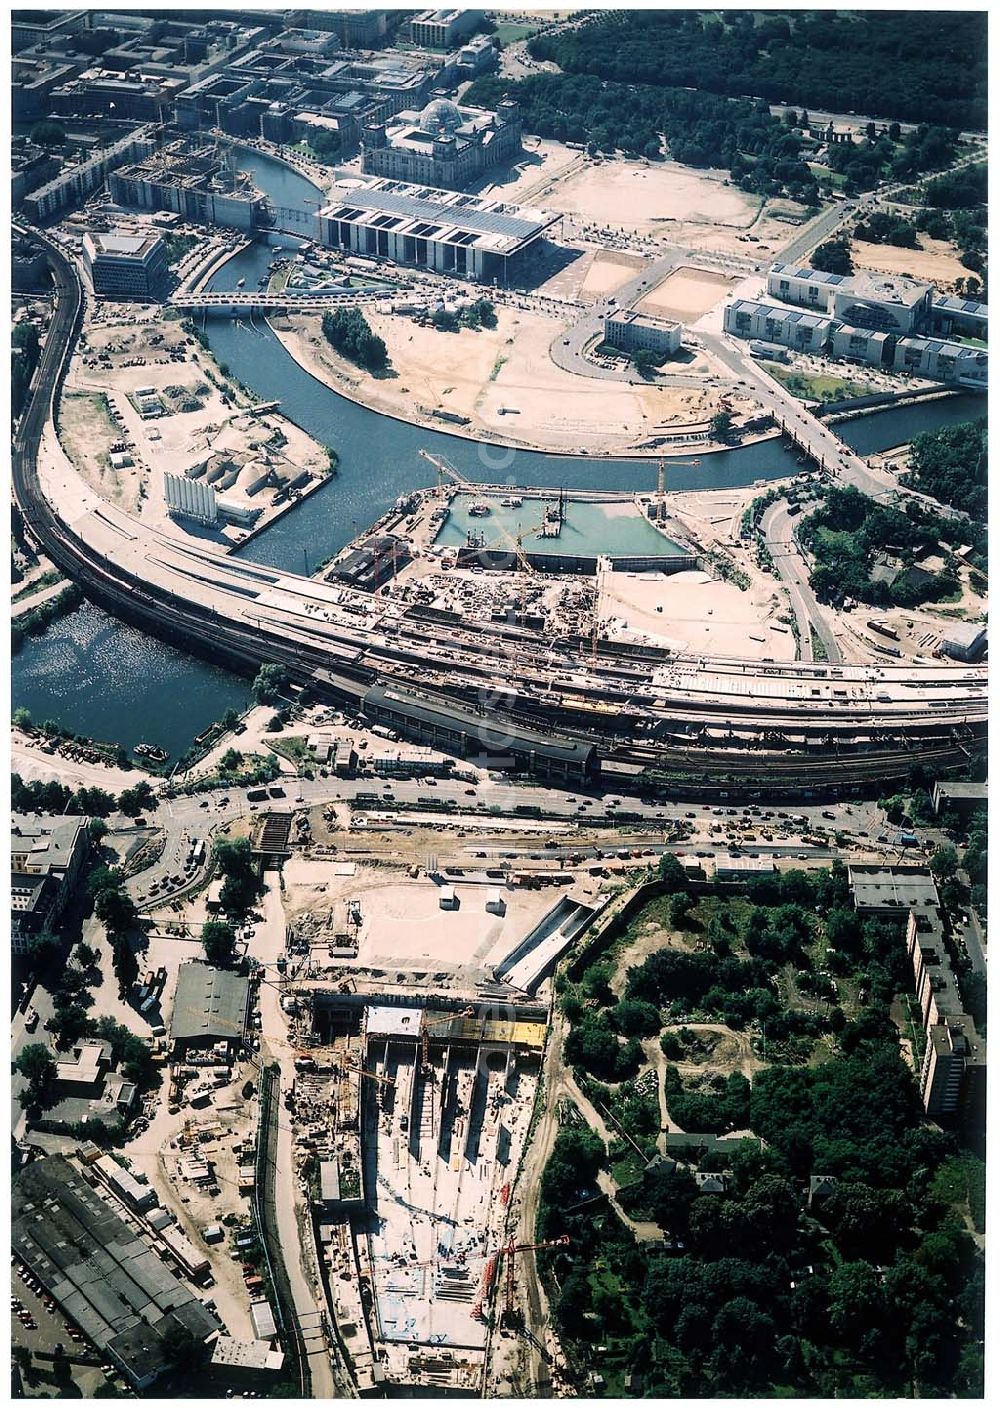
(199, 420)
(697, 613)
(936, 260)
(532, 179)
(640, 197)
(605, 272)
(502, 379)
(686, 294)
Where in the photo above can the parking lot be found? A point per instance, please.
(38, 1325)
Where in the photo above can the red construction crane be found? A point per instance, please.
(508, 1253)
(492, 1264)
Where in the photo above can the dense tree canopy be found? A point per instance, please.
(951, 465)
(921, 66)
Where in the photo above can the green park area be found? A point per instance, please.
(772, 1024)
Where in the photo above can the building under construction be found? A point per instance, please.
(414, 1119)
(197, 180)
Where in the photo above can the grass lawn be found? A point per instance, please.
(817, 387)
(509, 32)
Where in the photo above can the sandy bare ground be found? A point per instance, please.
(173, 442)
(605, 272)
(634, 196)
(696, 613)
(687, 293)
(936, 260)
(502, 379)
(531, 180)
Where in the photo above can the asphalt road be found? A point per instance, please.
(778, 529)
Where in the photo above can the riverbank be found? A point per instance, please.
(463, 382)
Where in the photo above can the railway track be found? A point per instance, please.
(645, 710)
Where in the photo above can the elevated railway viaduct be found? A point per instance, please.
(653, 716)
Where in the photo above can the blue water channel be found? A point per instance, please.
(98, 677)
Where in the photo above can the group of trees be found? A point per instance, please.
(270, 684)
(117, 911)
(847, 531)
(886, 228)
(903, 64)
(49, 796)
(34, 622)
(951, 465)
(347, 331)
(241, 883)
(25, 350)
(701, 129)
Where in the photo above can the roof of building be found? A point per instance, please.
(964, 306)
(118, 244)
(815, 276)
(437, 213)
(892, 888)
(887, 288)
(965, 634)
(959, 789)
(258, 1356)
(209, 1004)
(102, 1275)
(632, 316)
(389, 1020)
(42, 844)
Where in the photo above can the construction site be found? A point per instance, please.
(410, 1123)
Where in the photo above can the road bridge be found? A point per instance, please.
(234, 303)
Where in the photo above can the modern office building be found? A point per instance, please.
(939, 361)
(472, 236)
(631, 331)
(793, 328)
(808, 288)
(101, 1273)
(964, 318)
(443, 29)
(861, 345)
(888, 302)
(125, 266)
(444, 145)
(140, 99)
(46, 857)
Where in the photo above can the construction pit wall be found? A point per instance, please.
(444, 1118)
(633, 533)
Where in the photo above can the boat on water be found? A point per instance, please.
(152, 752)
(479, 508)
(240, 283)
(512, 502)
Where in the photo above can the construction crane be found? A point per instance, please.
(661, 487)
(425, 1031)
(366, 1072)
(446, 471)
(508, 1252)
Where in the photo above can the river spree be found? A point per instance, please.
(97, 677)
